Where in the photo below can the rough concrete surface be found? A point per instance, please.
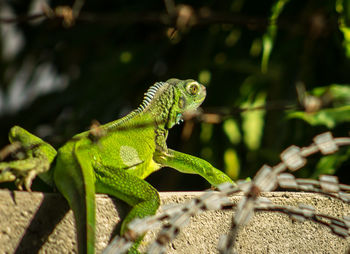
(42, 223)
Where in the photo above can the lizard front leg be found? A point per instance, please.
(191, 165)
(33, 156)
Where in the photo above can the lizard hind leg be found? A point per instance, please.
(136, 192)
(32, 156)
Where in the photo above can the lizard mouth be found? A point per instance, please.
(201, 96)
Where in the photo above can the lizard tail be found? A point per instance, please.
(74, 179)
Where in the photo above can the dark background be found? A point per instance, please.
(57, 77)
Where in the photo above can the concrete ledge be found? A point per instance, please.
(42, 223)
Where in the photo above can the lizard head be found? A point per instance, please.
(188, 96)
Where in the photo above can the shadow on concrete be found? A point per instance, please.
(51, 211)
(123, 209)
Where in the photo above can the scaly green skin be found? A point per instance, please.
(115, 158)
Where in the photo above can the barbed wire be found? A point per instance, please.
(267, 179)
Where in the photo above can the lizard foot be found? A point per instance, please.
(21, 169)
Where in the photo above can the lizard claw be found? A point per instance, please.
(26, 181)
(21, 179)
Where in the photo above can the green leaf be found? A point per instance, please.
(338, 96)
(329, 117)
(269, 36)
(329, 164)
(338, 93)
(231, 129)
(206, 132)
(232, 164)
(343, 8)
(253, 121)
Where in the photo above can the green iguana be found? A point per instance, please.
(114, 158)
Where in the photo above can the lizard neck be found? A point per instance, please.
(158, 103)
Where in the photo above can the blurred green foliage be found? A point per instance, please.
(329, 106)
(270, 35)
(55, 78)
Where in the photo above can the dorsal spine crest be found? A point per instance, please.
(147, 99)
(149, 95)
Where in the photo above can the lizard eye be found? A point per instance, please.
(193, 88)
